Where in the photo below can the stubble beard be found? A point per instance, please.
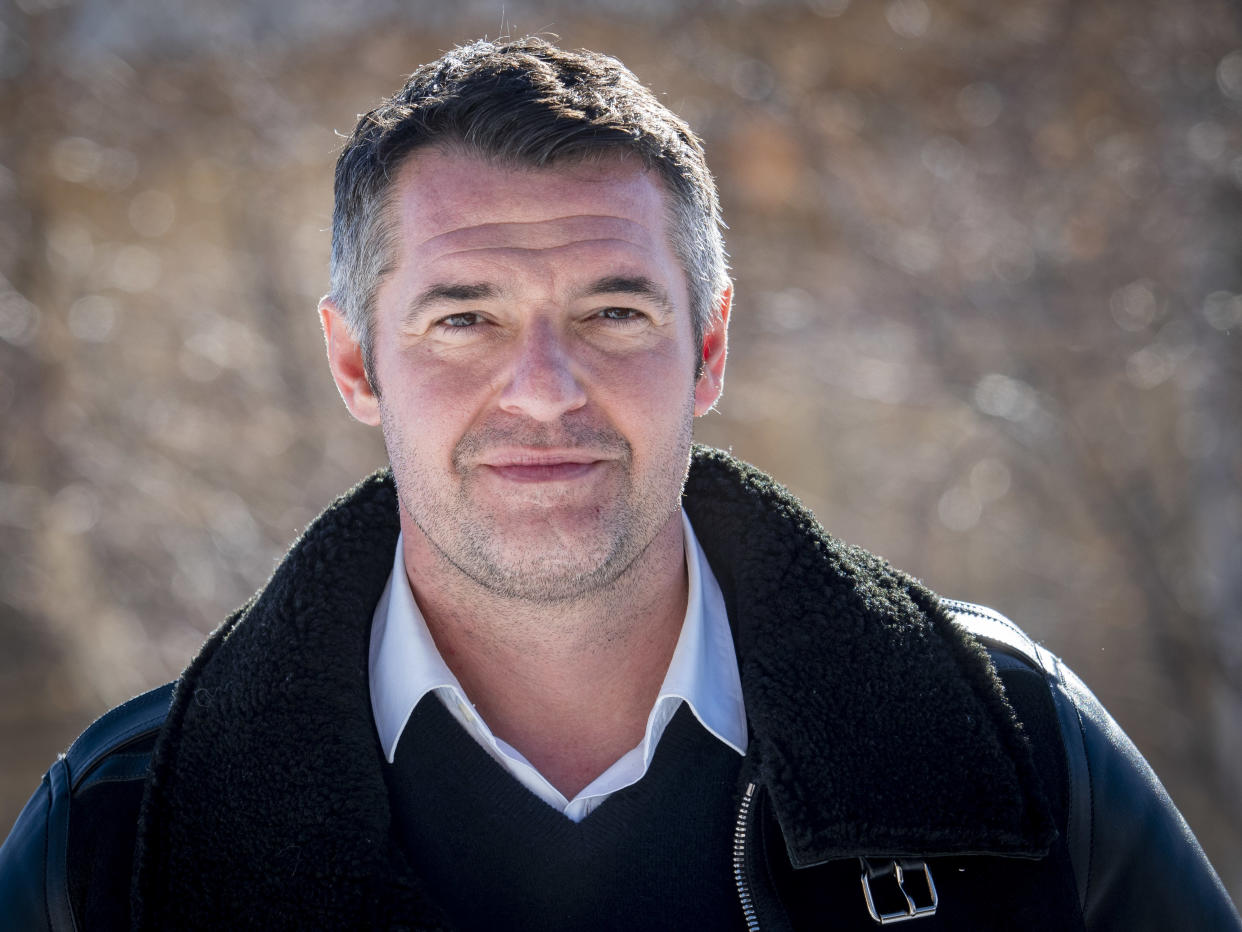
(540, 562)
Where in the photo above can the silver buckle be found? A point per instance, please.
(918, 902)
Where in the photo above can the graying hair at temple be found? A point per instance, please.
(521, 102)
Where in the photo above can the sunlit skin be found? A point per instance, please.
(536, 368)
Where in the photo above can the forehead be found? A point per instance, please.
(447, 203)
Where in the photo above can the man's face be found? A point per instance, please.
(536, 369)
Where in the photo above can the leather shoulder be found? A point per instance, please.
(23, 893)
(1146, 869)
(116, 731)
(997, 632)
(1136, 862)
(37, 885)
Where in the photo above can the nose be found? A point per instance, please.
(542, 384)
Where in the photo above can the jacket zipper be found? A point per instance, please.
(739, 860)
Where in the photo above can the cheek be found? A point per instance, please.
(663, 365)
(428, 405)
(646, 395)
(426, 380)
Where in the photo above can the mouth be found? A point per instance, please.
(542, 465)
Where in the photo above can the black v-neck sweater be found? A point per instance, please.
(655, 855)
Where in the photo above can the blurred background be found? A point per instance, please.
(988, 323)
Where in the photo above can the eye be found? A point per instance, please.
(459, 321)
(621, 314)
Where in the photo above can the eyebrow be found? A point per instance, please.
(444, 292)
(637, 285)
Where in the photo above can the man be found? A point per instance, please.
(559, 670)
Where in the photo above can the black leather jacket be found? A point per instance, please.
(886, 773)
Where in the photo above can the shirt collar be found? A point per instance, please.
(405, 664)
(703, 670)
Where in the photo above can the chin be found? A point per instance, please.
(546, 573)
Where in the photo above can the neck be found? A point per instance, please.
(540, 671)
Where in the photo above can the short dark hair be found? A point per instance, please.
(523, 102)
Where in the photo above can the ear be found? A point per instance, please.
(345, 361)
(715, 344)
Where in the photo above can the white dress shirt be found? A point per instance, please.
(405, 666)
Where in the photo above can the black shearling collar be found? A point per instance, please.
(876, 726)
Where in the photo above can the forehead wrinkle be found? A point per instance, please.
(567, 229)
(501, 252)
